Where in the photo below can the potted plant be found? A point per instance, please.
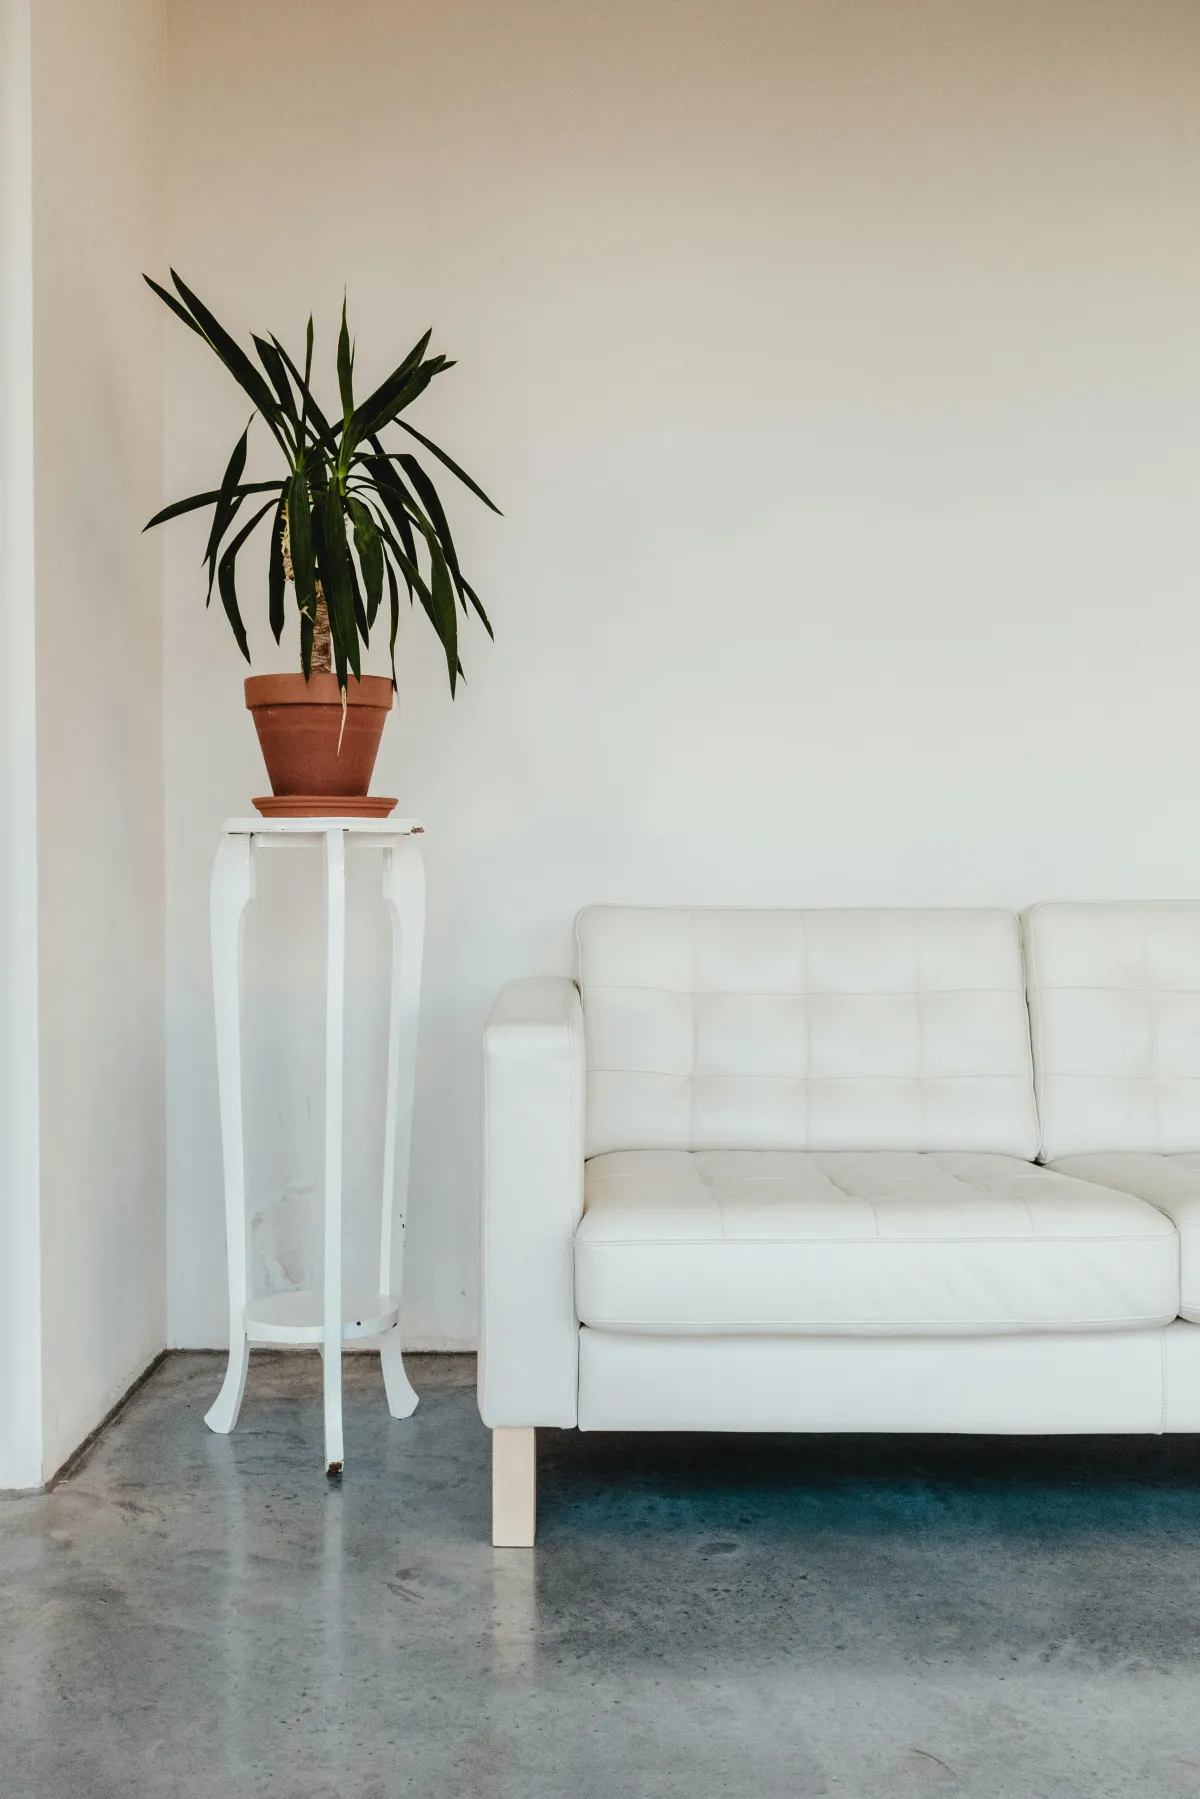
(348, 518)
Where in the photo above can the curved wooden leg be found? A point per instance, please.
(232, 887)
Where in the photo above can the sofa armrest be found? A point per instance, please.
(532, 1202)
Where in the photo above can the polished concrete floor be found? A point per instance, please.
(188, 1615)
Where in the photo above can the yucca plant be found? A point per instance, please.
(349, 517)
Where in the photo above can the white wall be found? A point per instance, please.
(837, 368)
(97, 381)
(20, 1237)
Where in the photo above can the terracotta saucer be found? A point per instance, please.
(324, 805)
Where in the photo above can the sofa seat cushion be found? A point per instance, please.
(1172, 1183)
(864, 1243)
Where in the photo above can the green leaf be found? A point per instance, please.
(446, 610)
(227, 506)
(194, 503)
(370, 556)
(180, 312)
(438, 602)
(433, 507)
(405, 509)
(276, 578)
(478, 605)
(407, 566)
(371, 405)
(410, 389)
(388, 479)
(300, 541)
(450, 464)
(417, 587)
(345, 367)
(360, 611)
(232, 355)
(400, 389)
(394, 495)
(394, 612)
(273, 362)
(310, 407)
(227, 525)
(225, 579)
(333, 563)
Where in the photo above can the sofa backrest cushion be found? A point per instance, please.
(1114, 1002)
(833, 1030)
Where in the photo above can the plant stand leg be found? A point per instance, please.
(402, 1400)
(232, 888)
(335, 1032)
(404, 894)
(514, 1487)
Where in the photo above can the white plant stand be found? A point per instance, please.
(329, 1317)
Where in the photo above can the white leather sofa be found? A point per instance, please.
(806, 1171)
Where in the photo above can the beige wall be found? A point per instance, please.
(838, 370)
(97, 172)
(20, 1234)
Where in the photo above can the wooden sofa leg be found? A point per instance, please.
(514, 1487)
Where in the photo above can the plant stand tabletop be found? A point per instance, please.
(328, 1317)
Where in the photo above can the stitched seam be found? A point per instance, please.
(1047, 1177)
(814, 1243)
(1101, 987)
(829, 1175)
(676, 1074)
(1124, 1079)
(989, 1193)
(806, 1326)
(612, 1176)
(711, 1188)
(804, 992)
(1162, 1366)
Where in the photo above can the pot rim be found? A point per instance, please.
(321, 689)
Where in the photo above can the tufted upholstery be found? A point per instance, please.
(1172, 1183)
(1114, 999)
(775, 1170)
(876, 1243)
(838, 1030)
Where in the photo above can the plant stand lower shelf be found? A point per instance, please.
(331, 1316)
(300, 1317)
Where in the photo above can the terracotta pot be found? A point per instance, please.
(308, 753)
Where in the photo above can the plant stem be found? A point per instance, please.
(322, 653)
